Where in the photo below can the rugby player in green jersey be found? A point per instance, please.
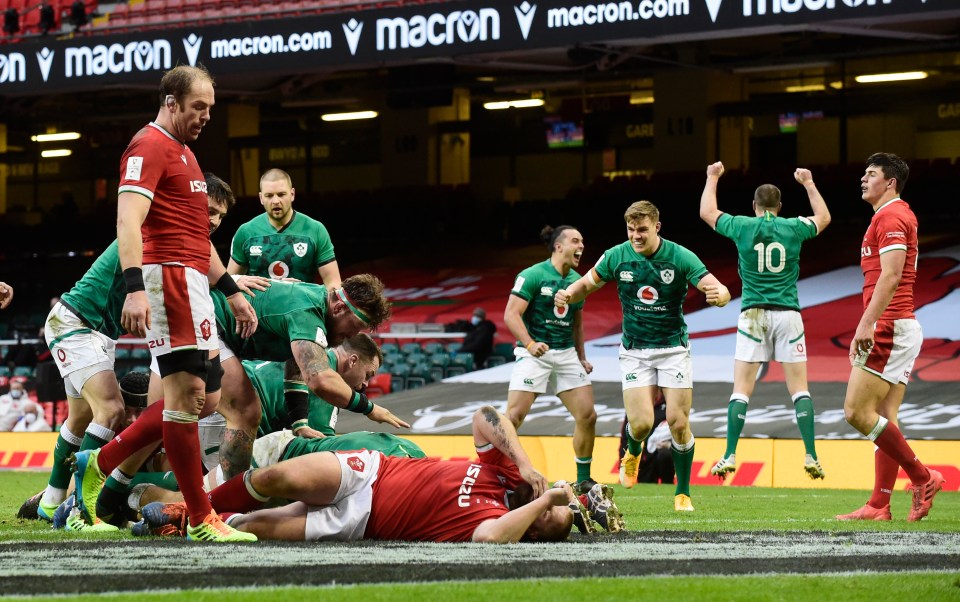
(81, 331)
(283, 243)
(550, 345)
(298, 321)
(770, 326)
(652, 276)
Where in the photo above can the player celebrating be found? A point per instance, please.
(652, 275)
(281, 242)
(887, 340)
(550, 344)
(770, 326)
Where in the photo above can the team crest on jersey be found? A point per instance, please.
(300, 248)
(321, 337)
(561, 312)
(278, 270)
(666, 276)
(355, 463)
(205, 330)
(648, 295)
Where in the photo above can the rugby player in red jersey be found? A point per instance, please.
(887, 340)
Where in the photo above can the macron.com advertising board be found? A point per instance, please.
(277, 43)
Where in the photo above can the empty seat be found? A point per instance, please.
(433, 347)
(408, 348)
(378, 385)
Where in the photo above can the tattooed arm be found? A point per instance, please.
(493, 428)
(314, 367)
(327, 384)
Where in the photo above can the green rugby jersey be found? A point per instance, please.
(267, 379)
(385, 443)
(546, 322)
(287, 312)
(651, 291)
(97, 298)
(294, 251)
(769, 256)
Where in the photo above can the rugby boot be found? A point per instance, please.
(88, 481)
(813, 468)
(923, 496)
(628, 469)
(682, 503)
(868, 512)
(724, 466)
(213, 529)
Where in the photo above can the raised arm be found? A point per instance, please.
(717, 294)
(578, 291)
(708, 199)
(490, 427)
(6, 295)
(821, 215)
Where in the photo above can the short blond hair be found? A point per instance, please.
(641, 210)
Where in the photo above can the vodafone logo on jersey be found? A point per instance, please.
(278, 269)
(561, 312)
(648, 295)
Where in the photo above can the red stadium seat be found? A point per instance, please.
(174, 7)
(378, 385)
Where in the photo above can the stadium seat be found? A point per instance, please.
(438, 365)
(140, 353)
(393, 358)
(415, 358)
(433, 347)
(25, 371)
(460, 363)
(123, 352)
(419, 376)
(453, 346)
(4, 382)
(378, 385)
(398, 377)
(387, 348)
(408, 348)
(4, 371)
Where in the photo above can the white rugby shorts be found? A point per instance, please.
(770, 334)
(669, 368)
(559, 369)
(896, 345)
(78, 351)
(181, 311)
(345, 519)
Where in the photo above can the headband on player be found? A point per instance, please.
(356, 311)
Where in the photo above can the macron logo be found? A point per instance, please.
(45, 58)
(525, 14)
(192, 45)
(352, 29)
(714, 7)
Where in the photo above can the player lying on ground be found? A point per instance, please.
(499, 498)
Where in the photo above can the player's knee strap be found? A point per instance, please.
(214, 374)
(192, 361)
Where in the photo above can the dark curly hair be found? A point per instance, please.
(366, 292)
(133, 387)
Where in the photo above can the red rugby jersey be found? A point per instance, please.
(893, 227)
